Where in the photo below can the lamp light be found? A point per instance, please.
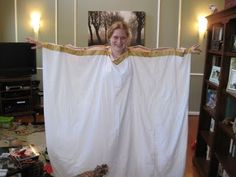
(202, 25)
(35, 21)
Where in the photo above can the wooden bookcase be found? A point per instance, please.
(215, 136)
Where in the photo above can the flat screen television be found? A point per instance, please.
(17, 59)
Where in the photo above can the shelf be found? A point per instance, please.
(16, 90)
(202, 165)
(212, 84)
(210, 111)
(230, 54)
(20, 113)
(14, 79)
(231, 93)
(208, 137)
(228, 163)
(215, 52)
(17, 98)
(228, 130)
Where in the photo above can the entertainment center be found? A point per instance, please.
(16, 96)
(17, 65)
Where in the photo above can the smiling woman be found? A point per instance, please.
(112, 107)
(119, 36)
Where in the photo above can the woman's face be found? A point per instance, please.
(119, 41)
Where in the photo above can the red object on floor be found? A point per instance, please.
(48, 168)
(193, 145)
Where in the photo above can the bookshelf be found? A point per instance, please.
(215, 145)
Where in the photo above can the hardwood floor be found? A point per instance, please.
(190, 170)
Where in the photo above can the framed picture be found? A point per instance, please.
(233, 43)
(215, 74)
(211, 98)
(100, 21)
(232, 80)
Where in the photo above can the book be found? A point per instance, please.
(212, 125)
(208, 153)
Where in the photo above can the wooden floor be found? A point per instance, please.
(190, 170)
(193, 124)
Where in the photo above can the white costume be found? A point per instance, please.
(130, 115)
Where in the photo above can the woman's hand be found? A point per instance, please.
(195, 49)
(38, 44)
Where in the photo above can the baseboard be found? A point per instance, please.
(193, 113)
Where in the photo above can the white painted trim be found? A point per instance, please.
(16, 25)
(158, 22)
(193, 113)
(56, 21)
(39, 68)
(75, 19)
(179, 24)
(196, 74)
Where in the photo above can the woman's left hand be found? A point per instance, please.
(195, 49)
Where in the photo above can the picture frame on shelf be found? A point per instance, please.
(232, 80)
(211, 98)
(232, 63)
(233, 43)
(215, 74)
(234, 126)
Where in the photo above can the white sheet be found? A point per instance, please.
(131, 116)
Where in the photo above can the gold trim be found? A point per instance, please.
(132, 51)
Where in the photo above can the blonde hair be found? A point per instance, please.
(119, 25)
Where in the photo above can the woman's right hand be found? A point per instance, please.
(38, 44)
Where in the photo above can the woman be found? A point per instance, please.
(117, 105)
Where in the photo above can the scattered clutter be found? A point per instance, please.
(18, 155)
(27, 160)
(23, 156)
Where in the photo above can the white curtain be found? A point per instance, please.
(131, 116)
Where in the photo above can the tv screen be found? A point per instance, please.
(17, 59)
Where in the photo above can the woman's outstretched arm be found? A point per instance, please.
(38, 44)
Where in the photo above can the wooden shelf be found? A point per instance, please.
(210, 111)
(202, 165)
(208, 137)
(228, 130)
(228, 163)
(212, 84)
(221, 29)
